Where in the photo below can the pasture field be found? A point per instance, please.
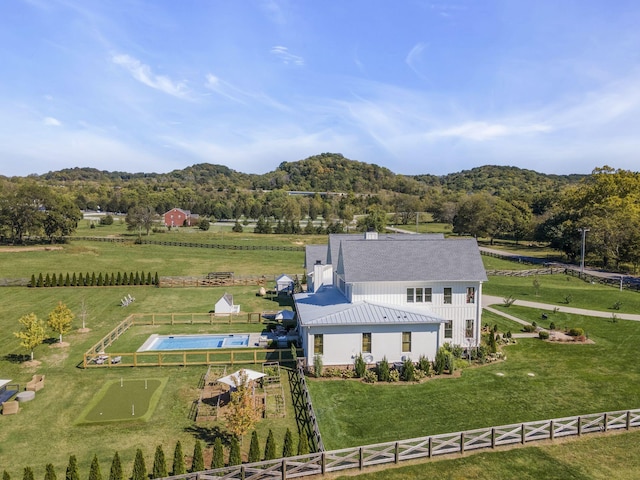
(569, 379)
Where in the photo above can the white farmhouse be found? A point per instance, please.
(393, 296)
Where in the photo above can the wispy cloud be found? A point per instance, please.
(481, 131)
(287, 57)
(52, 122)
(235, 94)
(414, 57)
(143, 74)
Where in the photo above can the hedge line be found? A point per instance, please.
(92, 280)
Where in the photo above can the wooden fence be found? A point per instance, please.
(227, 281)
(304, 403)
(526, 273)
(219, 246)
(424, 447)
(97, 357)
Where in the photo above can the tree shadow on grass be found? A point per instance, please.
(209, 434)
(17, 357)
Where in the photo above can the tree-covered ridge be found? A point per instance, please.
(329, 172)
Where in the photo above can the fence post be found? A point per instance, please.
(579, 426)
(522, 434)
(360, 458)
(493, 438)
(323, 463)
(396, 453)
(284, 469)
(604, 427)
(551, 429)
(628, 419)
(461, 442)
(430, 447)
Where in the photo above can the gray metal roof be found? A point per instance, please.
(392, 260)
(329, 307)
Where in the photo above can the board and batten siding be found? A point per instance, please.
(342, 345)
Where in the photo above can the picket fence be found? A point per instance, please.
(423, 447)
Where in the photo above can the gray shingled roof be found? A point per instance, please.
(312, 254)
(391, 260)
(329, 307)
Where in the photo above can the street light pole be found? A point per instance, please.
(584, 234)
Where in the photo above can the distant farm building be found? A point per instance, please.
(177, 217)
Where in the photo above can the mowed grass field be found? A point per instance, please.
(46, 430)
(570, 379)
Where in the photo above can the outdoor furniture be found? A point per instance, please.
(117, 359)
(26, 396)
(36, 383)
(7, 390)
(10, 408)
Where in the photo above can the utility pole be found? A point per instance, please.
(584, 234)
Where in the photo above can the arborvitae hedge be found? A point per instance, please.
(178, 459)
(234, 452)
(254, 448)
(139, 467)
(116, 468)
(91, 279)
(94, 470)
(159, 464)
(217, 461)
(197, 463)
(72, 469)
(270, 447)
(287, 447)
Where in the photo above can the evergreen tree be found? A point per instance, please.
(136, 281)
(303, 444)
(47, 281)
(197, 464)
(149, 279)
(80, 280)
(125, 279)
(270, 447)
(287, 447)
(178, 460)
(139, 467)
(54, 280)
(74, 280)
(131, 277)
(5, 475)
(60, 282)
(49, 473)
(119, 279)
(159, 463)
(72, 469)
(99, 281)
(112, 280)
(254, 448)
(94, 470)
(67, 281)
(217, 461)
(40, 282)
(27, 474)
(116, 468)
(234, 452)
(32, 283)
(156, 281)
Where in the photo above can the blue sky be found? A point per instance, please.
(415, 86)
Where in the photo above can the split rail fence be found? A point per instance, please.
(423, 447)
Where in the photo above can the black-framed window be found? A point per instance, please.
(448, 295)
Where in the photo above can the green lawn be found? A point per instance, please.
(612, 457)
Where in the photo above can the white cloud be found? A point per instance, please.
(481, 131)
(287, 57)
(143, 74)
(414, 56)
(52, 122)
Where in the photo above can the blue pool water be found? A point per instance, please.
(194, 342)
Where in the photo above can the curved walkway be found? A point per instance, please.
(488, 300)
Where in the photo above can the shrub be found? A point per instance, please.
(575, 332)
(567, 299)
(617, 305)
(451, 363)
(217, 460)
(94, 469)
(178, 460)
(408, 373)
(383, 370)
(529, 328)
(287, 446)
(270, 447)
(159, 464)
(204, 224)
(139, 467)
(394, 376)
(106, 220)
(543, 335)
(303, 444)
(360, 366)
(254, 448)
(369, 376)
(72, 469)
(114, 474)
(197, 462)
(424, 364)
(508, 301)
(552, 326)
(50, 473)
(234, 452)
(317, 366)
(440, 363)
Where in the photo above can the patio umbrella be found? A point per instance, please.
(233, 379)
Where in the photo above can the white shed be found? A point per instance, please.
(284, 284)
(225, 305)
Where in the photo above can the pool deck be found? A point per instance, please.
(255, 340)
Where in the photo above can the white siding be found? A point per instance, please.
(343, 344)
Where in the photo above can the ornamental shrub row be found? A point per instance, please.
(92, 280)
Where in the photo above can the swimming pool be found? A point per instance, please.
(194, 342)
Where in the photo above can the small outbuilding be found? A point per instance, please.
(226, 306)
(284, 284)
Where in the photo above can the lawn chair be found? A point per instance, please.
(10, 408)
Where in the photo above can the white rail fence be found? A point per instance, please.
(423, 447)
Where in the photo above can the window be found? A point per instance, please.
(410, 292)
(468, 331)
(448, 329)
(318, 344)
(471, 295)
(427, 295)
(447, 295)
(419, 295)
(406, 341)
(366, 343)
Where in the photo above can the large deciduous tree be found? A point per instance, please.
(141, 218)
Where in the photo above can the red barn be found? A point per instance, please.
(176, 217)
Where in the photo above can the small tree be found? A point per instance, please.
(60, 319)
(204, 224)
(408, 371)
(5, 475)
(237, 227)
(178, 460)
(197, 463)
(32, 333)
(159, 463)
(94, 469)
(217, 460)
(424, 364)
(303, 444)
(360, 366)
(384, 370)
(116, 468)
(139, 467)
(243, 414)
(72, 469)
(440, 363)
(270, 447)
(27, 474)
(49, 473)
(287, 446)
(317, 366)
(254, 448)
(536, 285)
(234, 452)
